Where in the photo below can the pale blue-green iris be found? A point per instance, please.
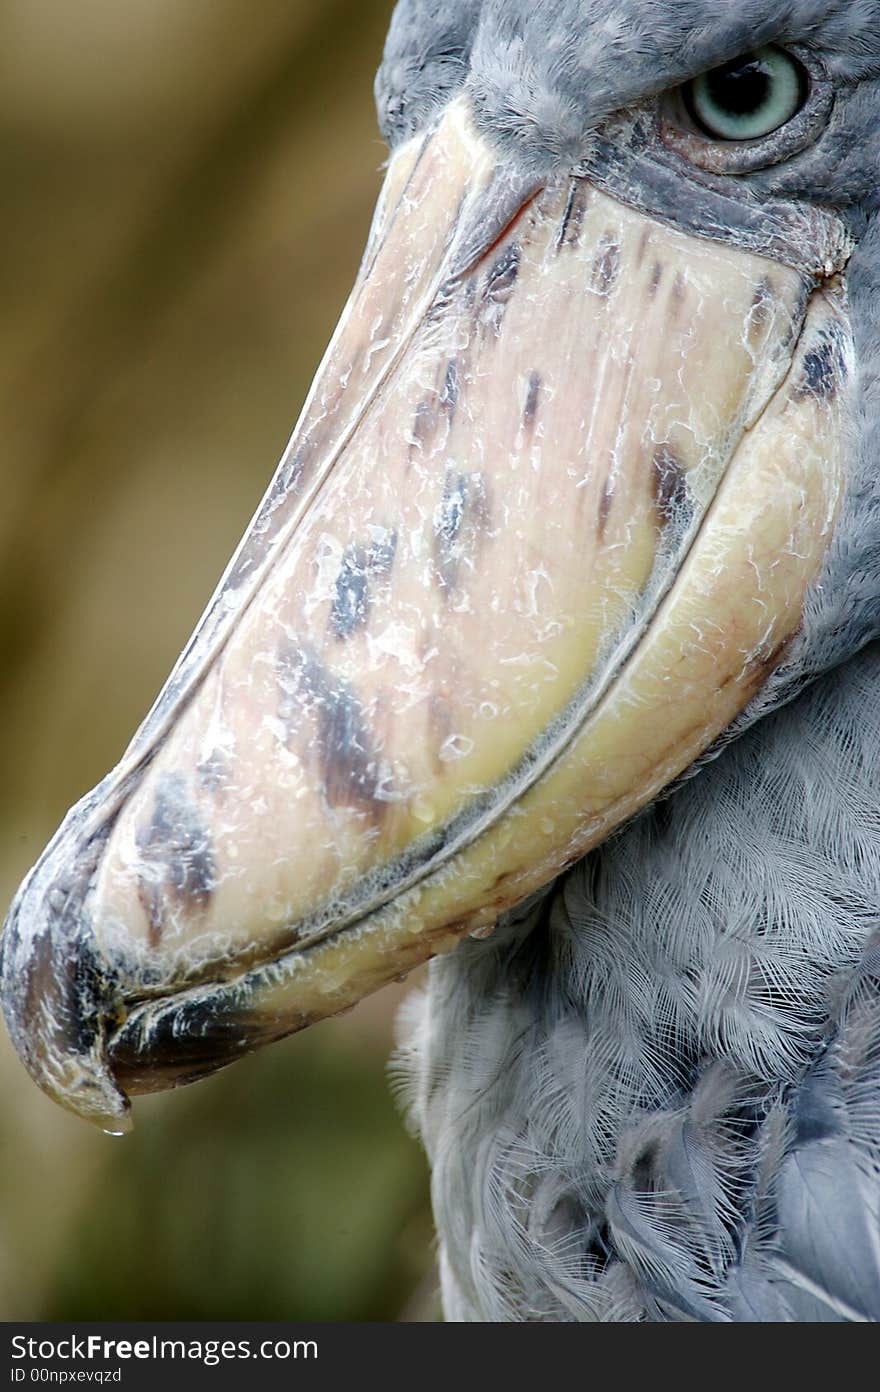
(748, 98)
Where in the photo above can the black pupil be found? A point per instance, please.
(740, 87)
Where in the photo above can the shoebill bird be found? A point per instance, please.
(559, 619)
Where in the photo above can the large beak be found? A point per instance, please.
(546, 525)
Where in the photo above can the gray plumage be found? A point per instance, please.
(655, 1093)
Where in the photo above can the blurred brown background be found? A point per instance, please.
(187, 186)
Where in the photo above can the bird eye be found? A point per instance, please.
(749, 97)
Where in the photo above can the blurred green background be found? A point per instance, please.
(187, 187)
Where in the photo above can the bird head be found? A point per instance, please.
(585, 483)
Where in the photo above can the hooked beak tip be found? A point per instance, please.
(57, 999)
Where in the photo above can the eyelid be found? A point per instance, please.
(678, 132)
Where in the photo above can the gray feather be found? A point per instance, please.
(724, 1153)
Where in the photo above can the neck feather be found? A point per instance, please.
(687, 968)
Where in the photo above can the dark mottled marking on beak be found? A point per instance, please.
(604, 511)
(606, 266)
(212, 773)
(573, 218)
(93, 981)
(381, 552)
(671, 496)
(83, 989)
(533, 394)
(62, 979)
(349, 767)
(350, 608)
(499, 285)
(462, 516)
(177, 869)
(443, 300)
(643, 244)
(656, 277)
(189, 1040)
(502, 274)
(451, 389)
(351, 600)
(823, 371)
(448, 524)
